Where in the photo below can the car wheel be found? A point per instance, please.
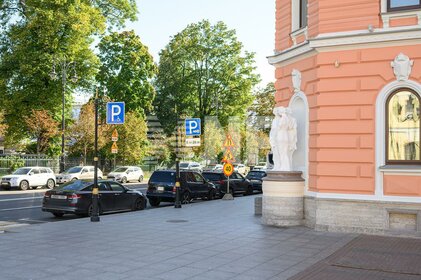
(50, 184)
(74, 179)
(249, 190)
(186, 198)
(211, 195)
(140, 178)
(58, 215)
(123, 180)
(154, 202)
(231, 192)
(139, 204)
(24, 185)
(91, 210)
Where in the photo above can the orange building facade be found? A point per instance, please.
(350, 71)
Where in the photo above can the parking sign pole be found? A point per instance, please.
(177, 184)
(95, 192)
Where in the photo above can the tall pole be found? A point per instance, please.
(64, 78)
(95, 191)
(177, 164)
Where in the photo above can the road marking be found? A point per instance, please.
(23, 198)
(20, 208)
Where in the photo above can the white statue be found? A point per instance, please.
(402, 67)
(283, 139)
(296, 80)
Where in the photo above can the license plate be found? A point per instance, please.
(160, 189)
(58, 196)
(255, 181)
(4, 183)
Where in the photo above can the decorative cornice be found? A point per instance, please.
(348, 40)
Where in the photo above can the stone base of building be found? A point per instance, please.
(358, 216)
(283, 199)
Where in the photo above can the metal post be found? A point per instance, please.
(95, 192)
(177, 184)
(64, 77)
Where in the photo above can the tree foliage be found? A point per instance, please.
(83, 132)
(35, 34)
(126, 71)
(204, 71)
(132, 140)
(41, 126)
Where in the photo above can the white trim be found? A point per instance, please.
(364, 197)
(301, 96)
(405, 35)
(295, 15)
(296, 51)
(380, 129)
(299, 32)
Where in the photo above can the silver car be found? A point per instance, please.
(125, 174)
(78, 172)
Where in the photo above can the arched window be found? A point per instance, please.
(403, 131)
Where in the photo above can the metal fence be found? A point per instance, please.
(106, 165)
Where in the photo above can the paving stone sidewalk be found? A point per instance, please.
(203, 240)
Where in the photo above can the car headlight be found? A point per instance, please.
(14, 180)
(117, 176)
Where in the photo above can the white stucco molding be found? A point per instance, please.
(402, 67)
(380, 144)
(405, 35)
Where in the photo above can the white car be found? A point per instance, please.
(190, 165)
(78, 172)
(260, 166)
(125, 174)
(240, 168)
(29, 177)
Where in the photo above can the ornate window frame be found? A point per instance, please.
(387, 160)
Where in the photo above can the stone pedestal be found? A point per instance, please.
(283, 198)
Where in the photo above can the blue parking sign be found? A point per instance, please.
(192, 127)
(115, 112)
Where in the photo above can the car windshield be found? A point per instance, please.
(253, 174)
(73, 170)
(120, 169)
(22, 171)
(184, 165)
(163, 176)
(212, 176)
(73, 186)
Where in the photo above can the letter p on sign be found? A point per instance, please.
(115, 112)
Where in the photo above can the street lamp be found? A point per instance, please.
(64, 65)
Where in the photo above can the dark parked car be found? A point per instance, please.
(76, 198)
(238, 183)
(161, 187)
(256, 178)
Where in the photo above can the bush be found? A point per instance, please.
(15, 163)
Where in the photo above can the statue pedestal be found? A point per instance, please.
(283, 198)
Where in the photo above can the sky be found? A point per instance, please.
(253, 20)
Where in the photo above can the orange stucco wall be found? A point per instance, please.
(342, 112)
(326, 16)
(402, 185)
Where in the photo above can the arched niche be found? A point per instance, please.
(299, 107)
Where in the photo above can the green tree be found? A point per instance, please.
(41, 126)
(126, 71)
(83, 132)
(204, 71)
(36, 33)
(132, 140)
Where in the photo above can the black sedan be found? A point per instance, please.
(256, 178)
(76, 198)
(237, 183)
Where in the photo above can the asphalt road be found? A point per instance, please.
(25, 206)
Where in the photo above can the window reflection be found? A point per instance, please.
(404, 127)
(403, 3)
